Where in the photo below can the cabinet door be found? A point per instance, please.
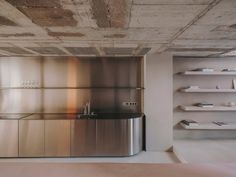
(83, 137)
(31, 138)
(8, 138)
(112, 137)
(57, 138)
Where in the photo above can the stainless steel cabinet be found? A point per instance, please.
(8, 138)
(57, 138)
(83, 137)
(31, 138)
(136, 135)
(112, 137)
(106, 137)
(119, 137)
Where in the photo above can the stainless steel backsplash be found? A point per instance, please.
(65, 84)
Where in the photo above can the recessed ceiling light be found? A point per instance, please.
(231, 53)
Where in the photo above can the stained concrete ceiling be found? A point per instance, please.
(116, 27)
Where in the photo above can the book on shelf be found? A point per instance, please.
(189, 122)
(192, 87)
(234, 84)
(220, 123)
(204, 105)
(204, 69)
(229, 70)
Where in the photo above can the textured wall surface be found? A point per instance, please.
(186, 27)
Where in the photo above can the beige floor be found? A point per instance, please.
(115, 170)
(143, 157)
(206, 151)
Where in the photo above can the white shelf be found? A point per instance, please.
(200, 90)
(214, 108)
(210, 126)
(207, 73)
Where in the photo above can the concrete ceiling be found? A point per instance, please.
(116, 27)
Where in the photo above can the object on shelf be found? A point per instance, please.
(192, 87)
(204, 105)
(230, 104)
(234, 84)
(204, 69)
(189, 122)
(217, 87)
(229, 70)
(219, 123)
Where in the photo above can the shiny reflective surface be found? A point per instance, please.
(106, 136)
(57, 138)
(64, 135)
(31, 138)
(13, 116)
(43, 99)
(8, 138)
(65, 84)
(64, 116)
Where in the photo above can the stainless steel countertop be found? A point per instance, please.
(65, 116)
(12, 116)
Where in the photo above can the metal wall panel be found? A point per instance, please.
(65, 84)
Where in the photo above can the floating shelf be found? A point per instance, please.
(214, 108)
(208, 90)
(207, 73)
(209, 126)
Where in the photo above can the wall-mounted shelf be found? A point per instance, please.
(208, 73)
(214, 108)
(37, 88)
(200, 90)
(209, 126)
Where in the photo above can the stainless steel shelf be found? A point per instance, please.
(38, 88)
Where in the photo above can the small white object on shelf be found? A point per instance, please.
(230, 104)
(214, 108)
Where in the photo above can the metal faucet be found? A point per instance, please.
(87, 108)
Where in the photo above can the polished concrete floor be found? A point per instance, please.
(143, 157)
(115, 170)
(206, 151)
